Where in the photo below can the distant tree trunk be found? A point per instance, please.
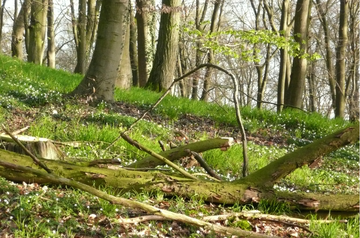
(99, 81)
(340, 59)
(329, 58)
(354, 75)
(285, 69)
(37, 30)
(261, 69)
(294, 97)
(215, 19)
(51, 36)
(84, 29)
(145, 26)
(79, 30)
(162, 72)
(133, 48)
(17, 37)
(311, 87)
(199, 18)
(2, 7)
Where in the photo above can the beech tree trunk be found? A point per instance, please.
(37, 31)
(250, 189)
(162, 72)
(99, 81)
(17, 37)
(340, 59)
(294, 95)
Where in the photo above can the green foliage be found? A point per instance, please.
(240, 44)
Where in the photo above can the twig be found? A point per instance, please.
(139, 219)
(203, 164)
(36, 160)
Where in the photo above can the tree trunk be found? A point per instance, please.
(354, 76)
(284, 70)
(133, 49)
(162, 72)
(328, 58)
(199, 18)
(17, 39)
(294, 96)
(252, 189)
(215, 19)
(145, 26)
(79, 31)
(99, 81)
(2, 7)
(340, 59)
(124, 79)
(37, 31)
(51, 36)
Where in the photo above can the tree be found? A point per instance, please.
(84, 28)
(294, 95)
(327, 41)
(51, 35)
(354, 69)
(145, 20)
(124, 78)
(162, 72)
(17, 37)
(341, 58)
(214, 25)
(99, 81)
(2, 7)
(37, 30)
(285, 67)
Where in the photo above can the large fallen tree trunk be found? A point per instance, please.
(244, 191)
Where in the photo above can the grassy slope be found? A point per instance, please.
(38, 91)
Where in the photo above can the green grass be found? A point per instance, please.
(27, 89)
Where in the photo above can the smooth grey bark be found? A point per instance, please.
(99, 81)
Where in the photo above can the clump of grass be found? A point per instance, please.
(336, 229)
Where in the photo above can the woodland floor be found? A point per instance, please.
(99, 225)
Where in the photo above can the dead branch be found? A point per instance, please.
(180, 151)
(134, 204)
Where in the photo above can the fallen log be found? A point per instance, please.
(182, 151)
(243, 191)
